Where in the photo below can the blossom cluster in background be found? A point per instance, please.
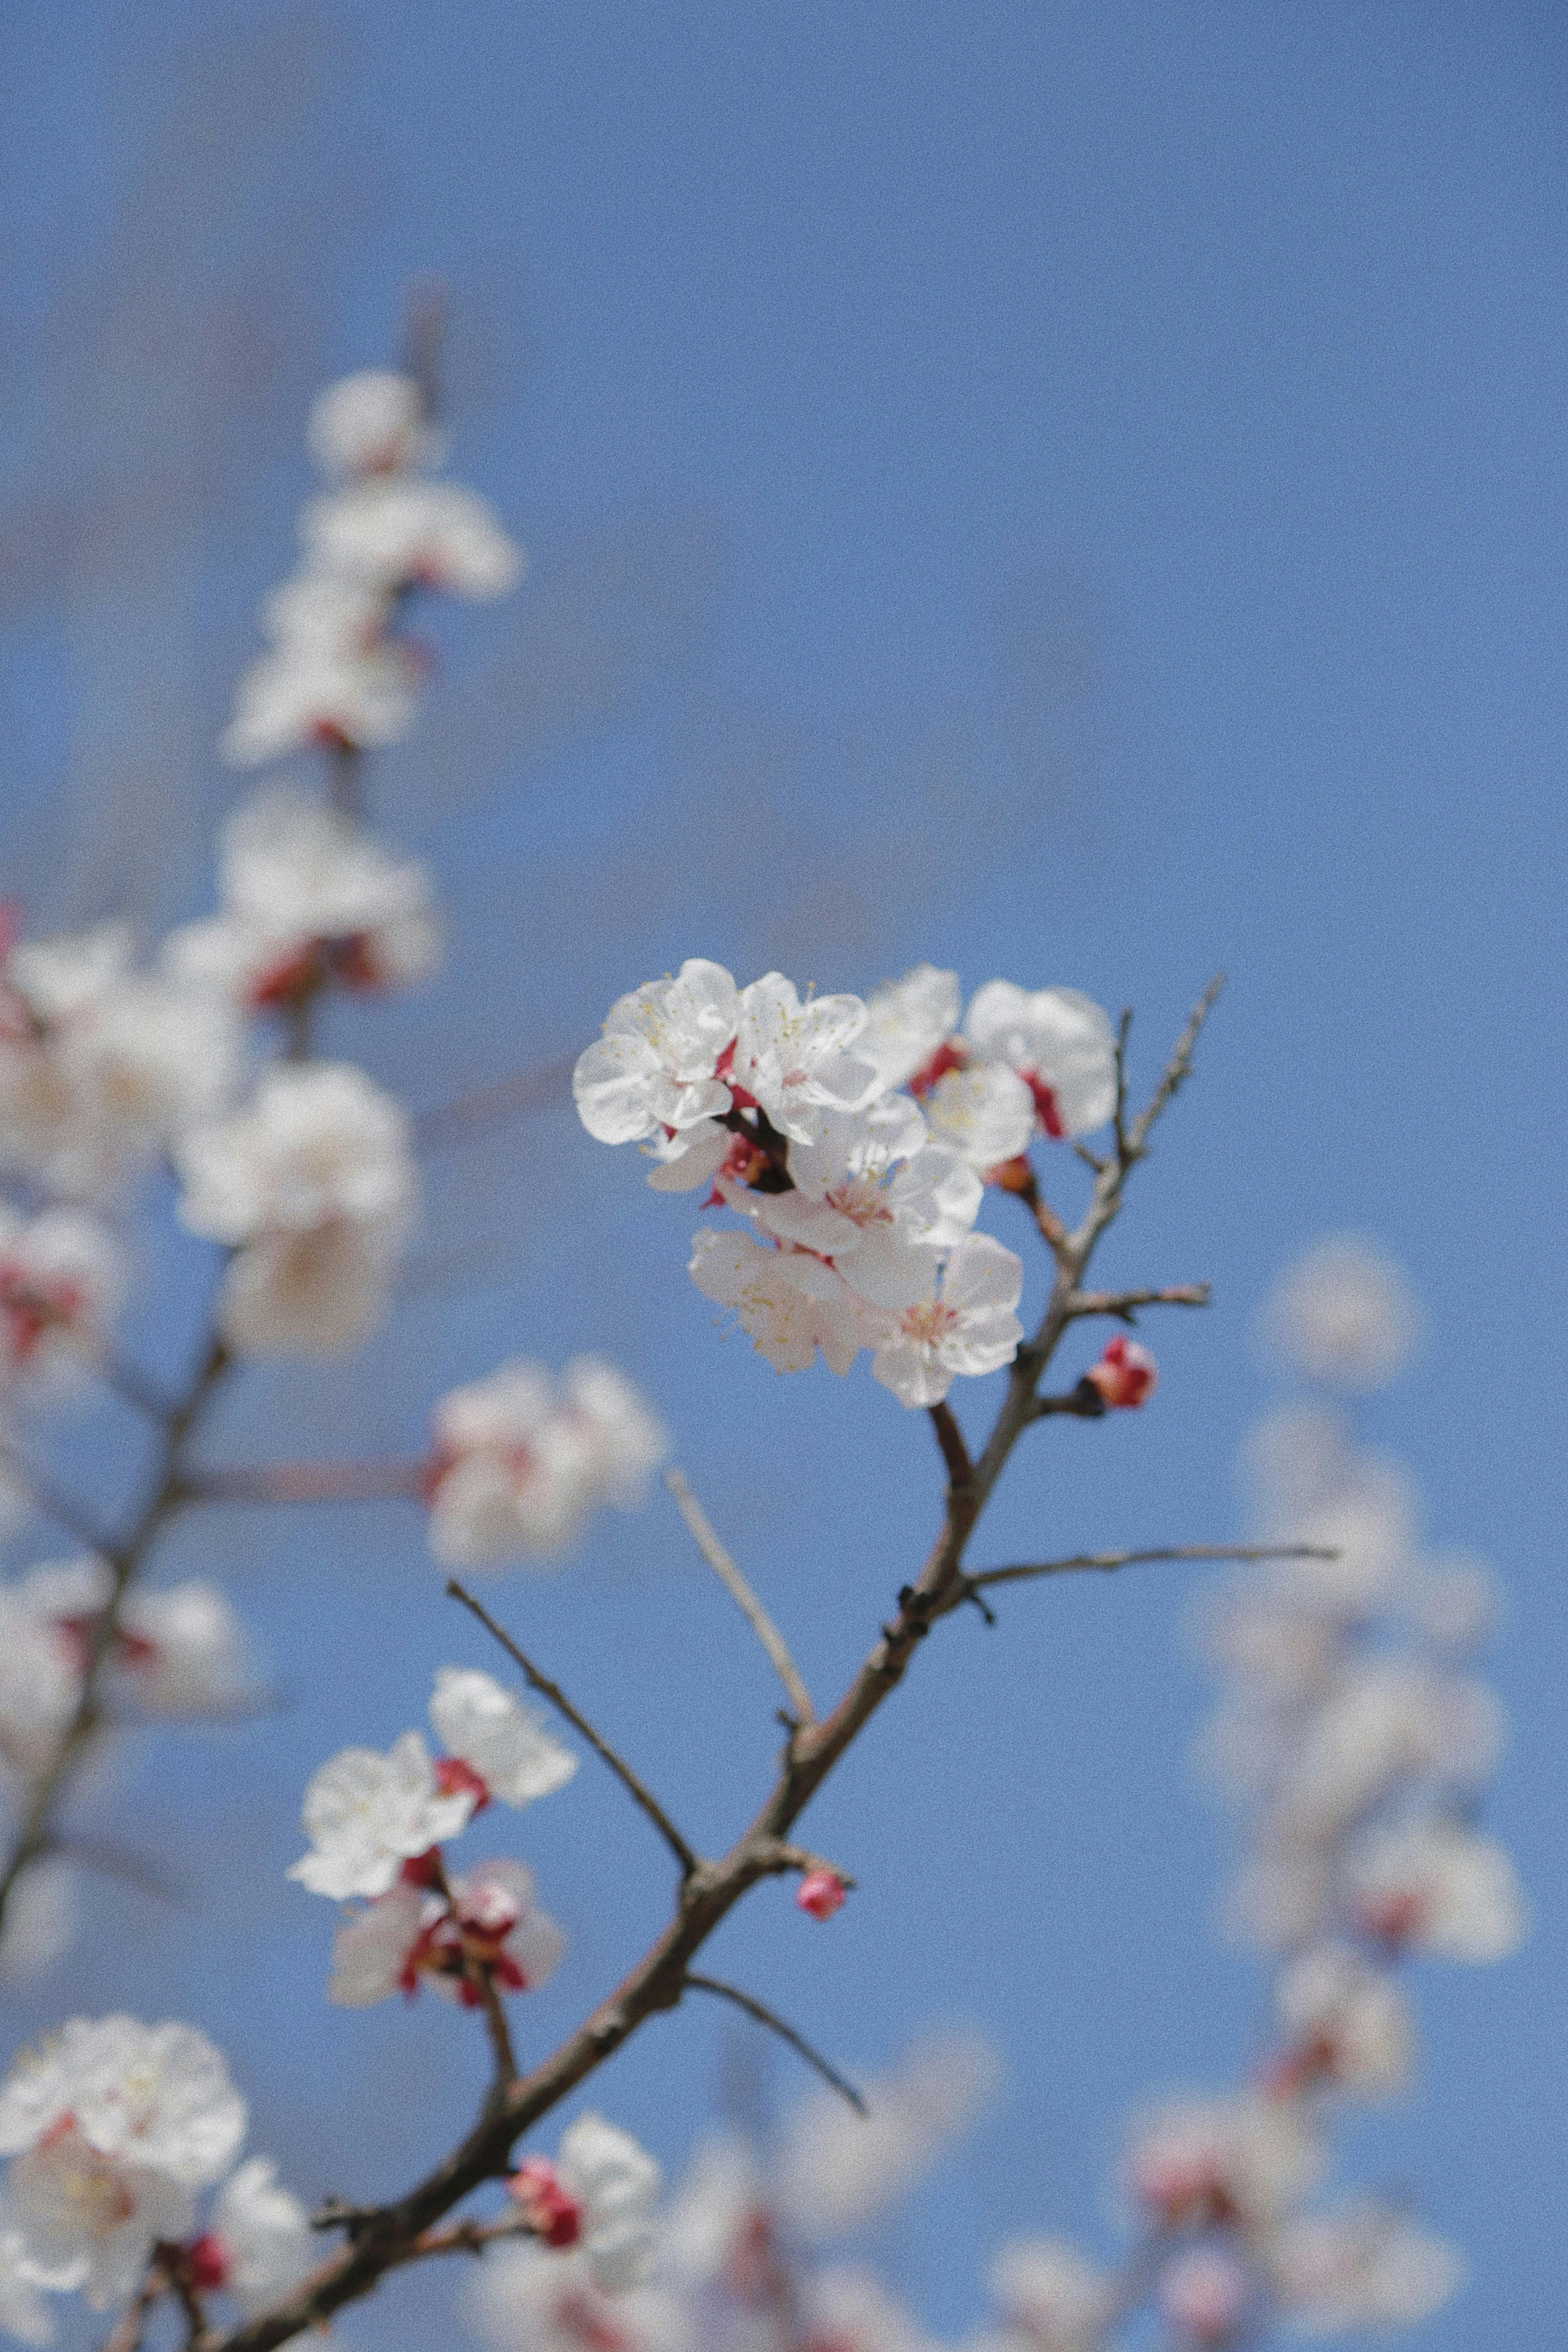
(856, 1139)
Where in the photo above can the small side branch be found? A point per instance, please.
(744, 1599)
(471, 1114)
(797, 2041)
(558, 1699)
(1176, 1073)
(1114, 1560)
(1123, 1304)
(53, 1501)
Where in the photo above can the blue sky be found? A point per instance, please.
(1075, 493)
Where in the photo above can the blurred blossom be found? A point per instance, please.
(1059, 2299)
(1368, 2266)
(837, 2169)
(1344, 1312)
(523, 1457)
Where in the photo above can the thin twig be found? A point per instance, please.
(119, 1862)
(558, 1699)
(52, 1500)
(132, 2326)
(1112, 1560)
(797, 2041)
(740, 1593)
(1177, 1070)
(1123, 1303)
(1084, 1402)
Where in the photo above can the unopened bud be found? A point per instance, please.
(1125, 1374)
(206, 2262)
(554, 2214)
(821, 1893)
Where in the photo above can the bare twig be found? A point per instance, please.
(1124, 1302)
(1084, 1402)
(52, 1500)
(558, 1699)
(1175, 1073)
(797, 2041)
(119, 1862)
(744, 1599)
(132, 2325)
(1114, 1560)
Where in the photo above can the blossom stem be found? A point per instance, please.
(1123, 1304)
(740, 1593)
(775, 2024)
(558, 1699)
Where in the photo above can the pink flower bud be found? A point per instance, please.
(1125, 1374)
(821, 1893)
(453, 1775)
(208, 2263)
(554, 2214)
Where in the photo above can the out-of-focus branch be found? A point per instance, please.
(492, 1106)
(745, 1600)
(558, 1699)
(776, 2024)
(710, 1890)
(309, 1482)
(52, 1500)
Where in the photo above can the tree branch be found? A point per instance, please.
(1114, 1560)
(710, 1890)
(797, 2041)
(309, 1482)
(451, 1122)
(1122, 1303)
(950, 1437)
(740, 1593)
(683, 1854)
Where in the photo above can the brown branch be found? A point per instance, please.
(1114, 1560)
(683, 1854)
(131, 2325)
(52, 1501)
(36, 1836)
(709, 1891)
(745, 1600)
(950, 1437)
(775, 2024)
(1122, 1303)
(1084, 1402)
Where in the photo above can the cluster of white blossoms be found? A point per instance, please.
(1355, 1741)
(101, 1067)
(308, 898)
(114, 2128)
(62, 1275)
(377, 1824)
(521, 1458)
(741, 2254)
(856, 1139)
(335, 673)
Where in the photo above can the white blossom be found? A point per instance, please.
(657, 1065)
(41, 1919)
(1384, 1722)
(501, 1740)
(871, 1195)
(92, 2219)
(40, 1681)
(1368, 2265)
(1204, 2292)
(372, 1951)
(837, 2169)
(1061, 2301)
(304, 694)
(1344, 1312)
(261, 2234)
(616, 2184)
(1440, 1887)
(522, 1459)
(390, 532)
(1060, 1042)
(530, 2298)
(24, 2313)
(157, 2096)
(844, 2309)
(1194, 2159)
(374, 421)
(795, 1059)
(298, 880)
(985, 1113)
(315, 1178)
(366, 1814)
(184, 1649)
(908, 1020)
(965, 1323)
(1347, 2020)
(787, 1302)
(61, 1278)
